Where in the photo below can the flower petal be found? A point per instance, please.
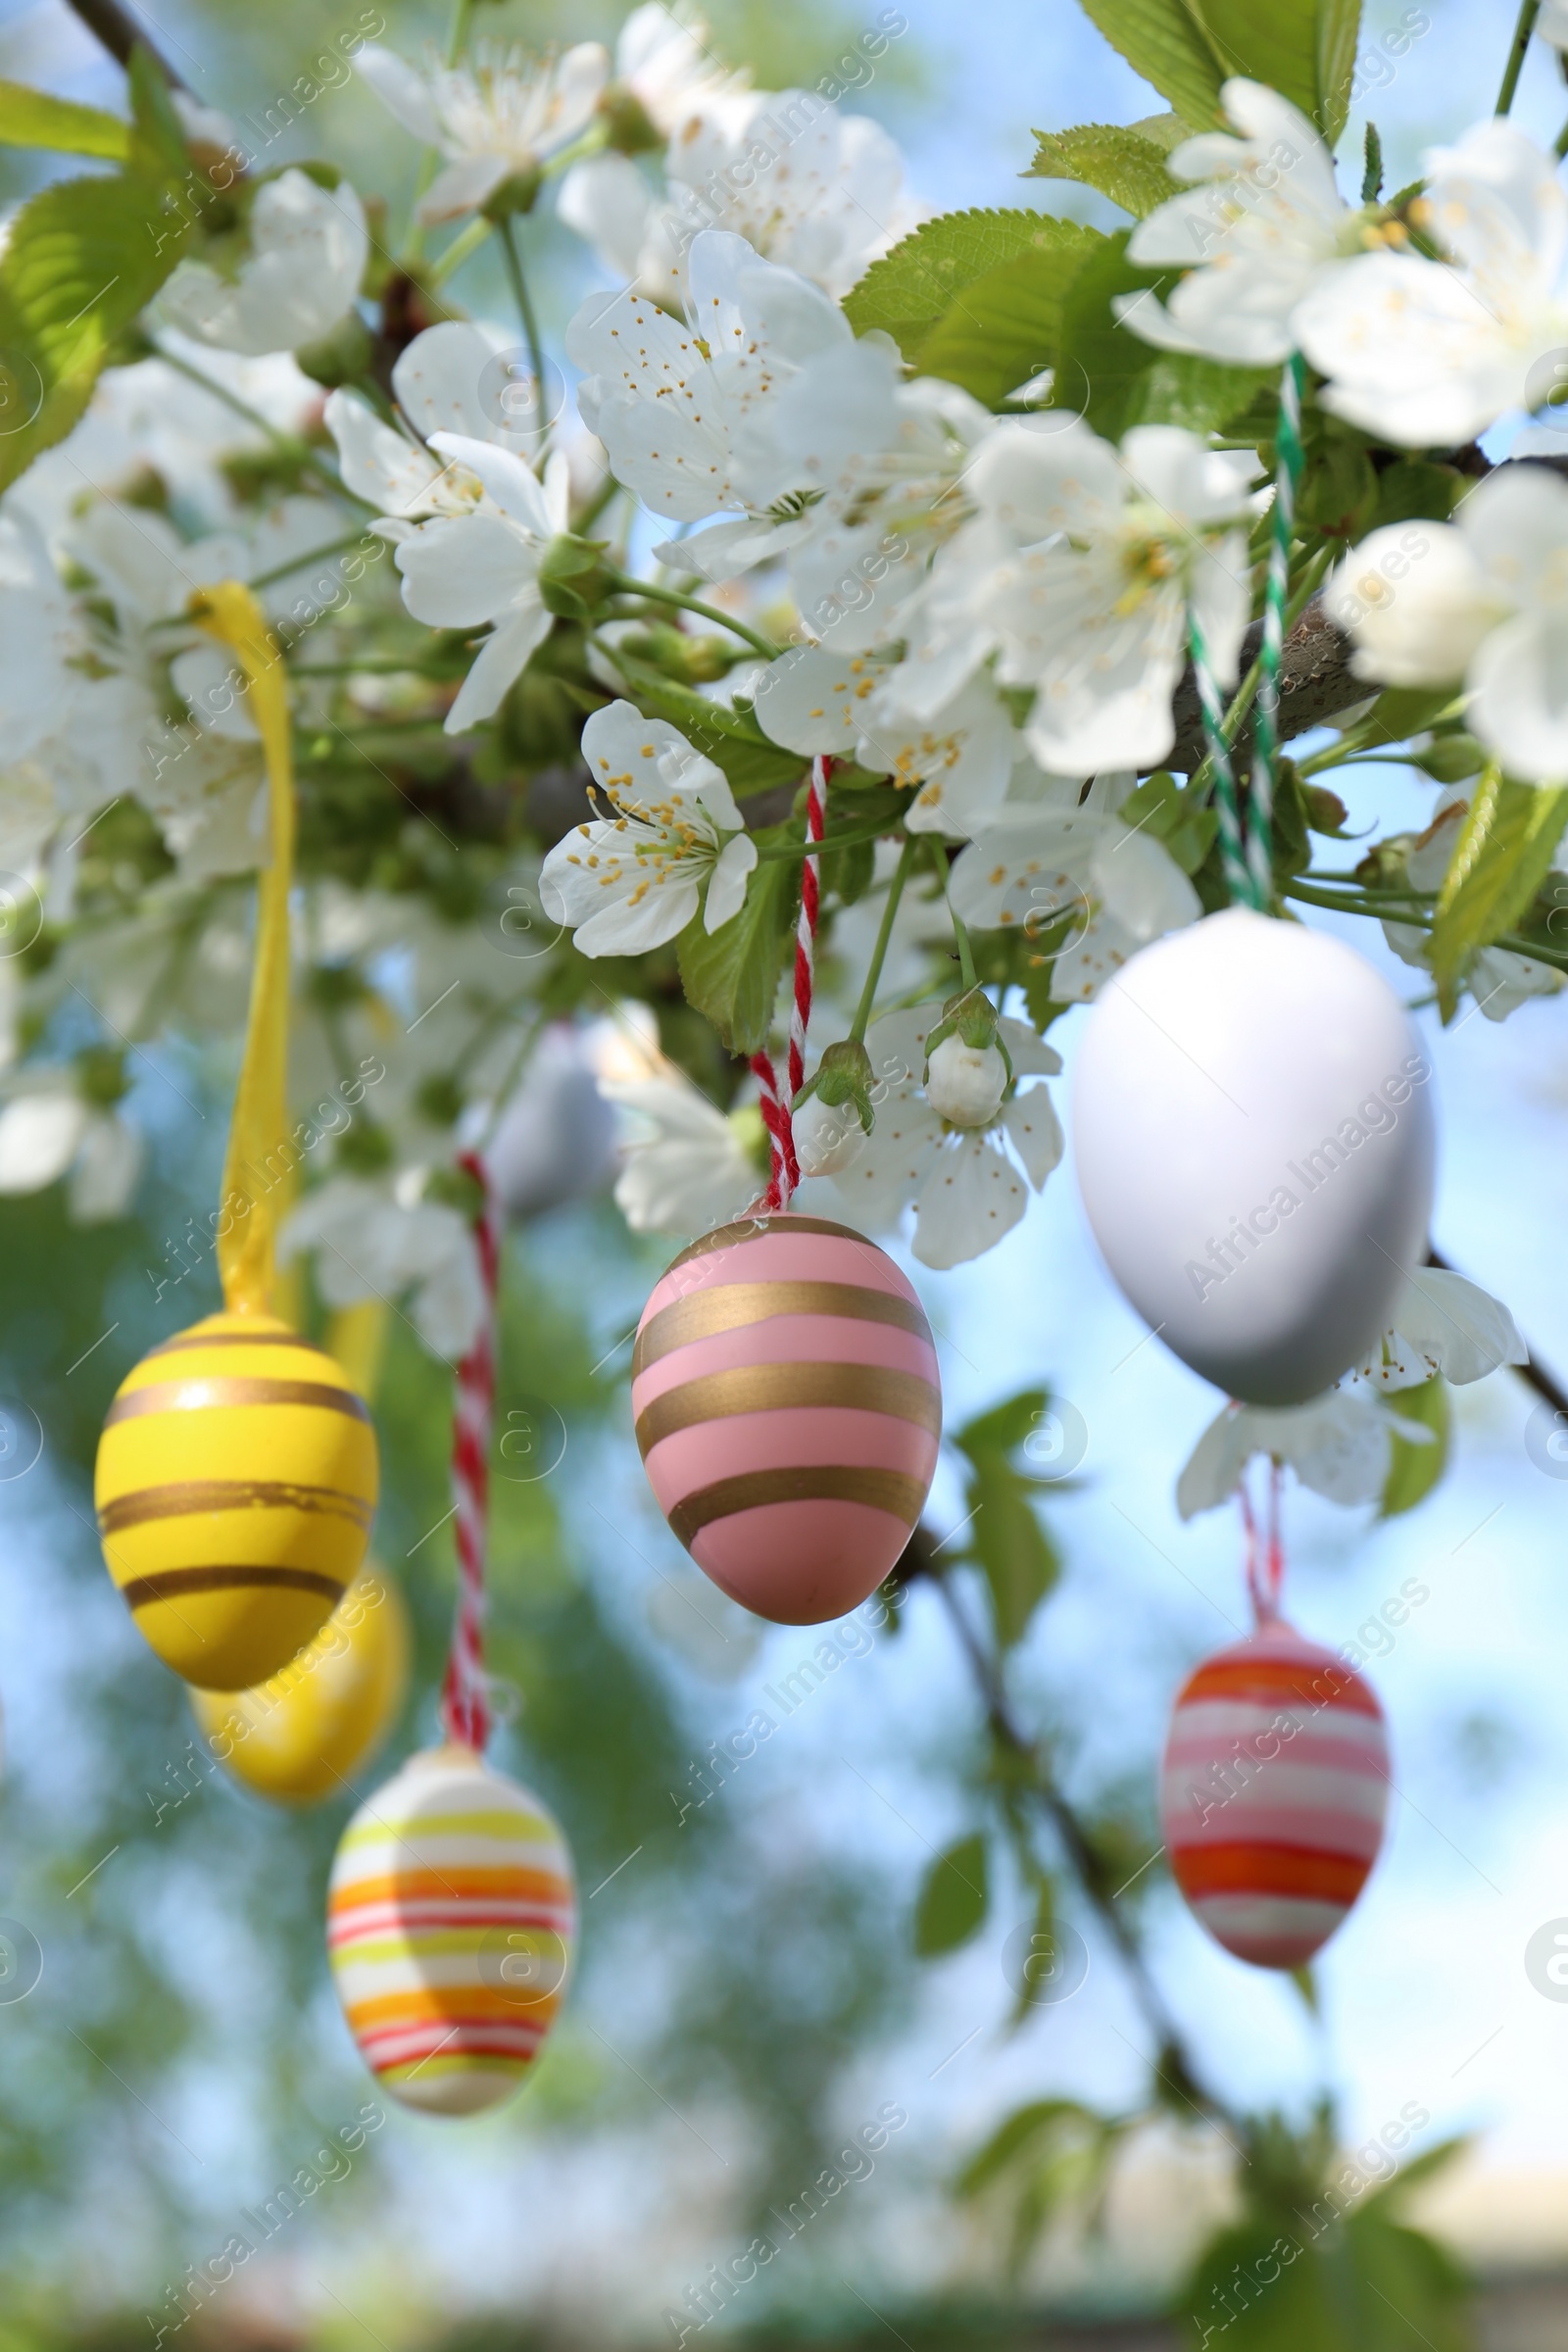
(969, 1198)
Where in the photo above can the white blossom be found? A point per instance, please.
(1428, 353)
(495, 118)
(368, 1244)
(48, 1130)
(470, 571)
(1110, 885)
(967, 1184)
(1484, 598)
(1441, 1323)
(1254, 239)
(309, 246)
(439, 384)
(662, 61)
(686, 1166)
(814, 700)
(1076, 572)
(1340, 1444)
(628, 882)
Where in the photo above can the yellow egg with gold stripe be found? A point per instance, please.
(298, 1737)
(237, 1482)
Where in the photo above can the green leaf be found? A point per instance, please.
(82, 259)
(1305, 49)
(1121, 164)
(1003, 1427)
(1163, 40)
(1044, 2158)
(1007, 1542)
(1161, 809)
(1500, 861)
(1204, 395)
(1414, 1469)
(953, 1898)
(731, 975)
(32, 119)
(1042, 1939)
(1417, 2173)
(911, 287)
(1006, 327)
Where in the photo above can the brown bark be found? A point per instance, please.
(1315, 684)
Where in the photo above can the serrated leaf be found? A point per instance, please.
(1414, 1469)
(1202, 395)
(1305, 49)
(911, 287)
(731, 975)
(1161, 41)
(33, 119)
(953, 1898)
(1500, 861)
(1121, 164)
(1103, 364)
(1006, 327)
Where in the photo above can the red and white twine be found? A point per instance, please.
(776, 1114)
(464, 1696)
(1265, 1551)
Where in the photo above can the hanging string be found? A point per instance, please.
(259, 1128)
(1232, 849)
(1276, 595)
(777, 1118)
(1265, 1555)
(465, 1699)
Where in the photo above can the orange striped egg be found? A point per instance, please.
(235, 1486)
(450, 1920)
(788, 1411)
(1273, 1794)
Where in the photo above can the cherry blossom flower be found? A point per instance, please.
(1041, 862)
(307, 252)
(49, 1130)
(467, 570)
(368, 1244)
(1076, 572)
(1498, 979)
(495, 118)
(1426, 353)
(686, 1166)
(1254, 239)
(1484, 599)
(967, 1183)
(1441, 1323)
(628, 882)
(438, 384)
(814, 700)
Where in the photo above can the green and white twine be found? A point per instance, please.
(1249, 859)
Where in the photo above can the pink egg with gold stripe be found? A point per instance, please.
(789, 1412)
(1273, 1794)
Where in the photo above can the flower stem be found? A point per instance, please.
(901, 875)
(628, 586)
(1529, 10)
(318, 555)
(961, 930)
(525, 312)
(306, 459)
(468, 241)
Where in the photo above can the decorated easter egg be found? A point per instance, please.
(450, 1915)
(1254, 1136)
(235, 1487)
(1273, 1792)
(298, 1737)
(788, 1409)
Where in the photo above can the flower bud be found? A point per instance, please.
(574, 579)
(828, 1137)
(965, 1084)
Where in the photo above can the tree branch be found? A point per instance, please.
(119, 33)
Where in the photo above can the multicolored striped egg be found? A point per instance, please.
(451, 1916)
(298, 1737)
(237, 1483)
(788, 1411)
(1273, 1794)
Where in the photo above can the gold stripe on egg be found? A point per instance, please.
(887, 1491)
(773, 1388)
(753, 1229)
(189, 1495)
(196, 1395)
(173, 1583)
(731, 1305)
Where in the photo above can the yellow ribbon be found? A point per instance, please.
(260, 1154)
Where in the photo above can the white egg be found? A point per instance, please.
(1253, 1129)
